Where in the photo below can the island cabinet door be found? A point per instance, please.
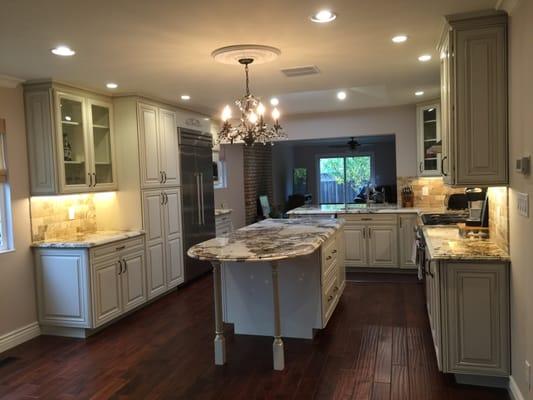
(107, 290)
(477, 308)
(355, 246)
(383, 246)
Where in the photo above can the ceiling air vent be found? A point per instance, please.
(301, 71)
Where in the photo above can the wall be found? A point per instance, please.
(257, 178)
(521, 228)
(301, 154)
(17, 292)
(400, 120)
(233, 195)
(499, 216)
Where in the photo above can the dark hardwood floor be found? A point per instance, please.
(377, 346)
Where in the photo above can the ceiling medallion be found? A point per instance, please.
(251, 127)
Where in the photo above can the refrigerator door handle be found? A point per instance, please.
(198, 198)
(202, 197)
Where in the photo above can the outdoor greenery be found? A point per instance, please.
(350, 175)
(299, 180)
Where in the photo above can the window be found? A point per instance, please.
(4, 192)
(299, 180)
(219, 172)
(343, 178)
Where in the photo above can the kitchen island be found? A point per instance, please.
(278, 277)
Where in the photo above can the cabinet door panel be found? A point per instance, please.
(168, 139)
(478, 320)
(407, 239)
(355, 246)
(382, 244)
(173, 212)
(62, 288)
(156, 269)
(174, 261)
(149, 146)
(133, 281)
(153, 216)
(107, 291)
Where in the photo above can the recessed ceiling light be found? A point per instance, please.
(341, 95)
(419, 93)
(424, 58)
(185, 97)
(111, 85)
(206, 119)
(399, 38)
(63, 51)
(323, 16)
(274, 101)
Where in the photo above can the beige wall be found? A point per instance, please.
(400, 120)
(17, 298)
(521, 228)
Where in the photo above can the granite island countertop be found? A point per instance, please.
(269, 240)
(353, 209)
(222, 211)
(445, 243)
(87, 240)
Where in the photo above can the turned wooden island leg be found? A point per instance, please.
(220, 341)
(277, 346)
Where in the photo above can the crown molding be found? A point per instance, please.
(10, 81)
(507, 5)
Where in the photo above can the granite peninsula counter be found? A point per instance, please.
(278, 277)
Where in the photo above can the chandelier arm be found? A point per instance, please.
(247, 80)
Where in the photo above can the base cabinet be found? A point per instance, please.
(468, 309)
(87, 288)
(407, 237)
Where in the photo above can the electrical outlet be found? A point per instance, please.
(425, 191)
(522, 200)
(528, 374)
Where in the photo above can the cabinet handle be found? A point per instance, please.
(420, 166)
(336, 289)
(125, 265)
(442, 166)
(370, 233)
(328, 258)
(94, 179)
(120, 267)
(90, 179)
(366, 219)
(330, 297)
(334, 252)
(162, 198)
(364, 233)
(120, 247)
(400, 222)
(166, 196)
(160, 176)
(164, 176)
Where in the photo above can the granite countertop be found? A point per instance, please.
(445, 243)
(353, 209)
(222, 211)
(269, 240)
(87, 240)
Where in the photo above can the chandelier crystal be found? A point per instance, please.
(251, 127)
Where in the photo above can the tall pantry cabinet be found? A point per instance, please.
(473, 56)
(148, 160)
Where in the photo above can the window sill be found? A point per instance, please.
(7, 251)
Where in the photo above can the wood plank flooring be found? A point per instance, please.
(377, 346)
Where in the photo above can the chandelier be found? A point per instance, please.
(251, 127)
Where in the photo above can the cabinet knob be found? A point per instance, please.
(330, 297)
(328, 258)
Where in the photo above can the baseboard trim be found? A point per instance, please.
(514, 391)
(19, 336)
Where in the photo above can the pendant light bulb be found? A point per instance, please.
(226, 113)
(275, 114)
(261, 109)
(252, 117)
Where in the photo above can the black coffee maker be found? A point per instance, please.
(478, 207)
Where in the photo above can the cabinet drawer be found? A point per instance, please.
(329, 255)
(329, 297)
(371, 218)
(222, 219)
(114, 248)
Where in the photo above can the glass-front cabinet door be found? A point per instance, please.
(72, 149)
(101, 142)
(429, 140)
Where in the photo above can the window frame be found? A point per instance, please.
(5, 241)
(343, 156)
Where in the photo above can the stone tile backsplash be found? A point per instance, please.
(499, 216)
(436, 190)
(50, 216)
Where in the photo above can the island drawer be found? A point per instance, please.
(371, 218)
(329, 255)
(100, 252)
(329, 297)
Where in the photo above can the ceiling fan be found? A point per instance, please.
(351, 144)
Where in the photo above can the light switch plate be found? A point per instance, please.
(523, 204)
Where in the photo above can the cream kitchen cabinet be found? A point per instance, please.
(158, 141)
(428, 135)
(468, 309)
(162, 222)
(81, 289)
(223, 224)
(70, 140)
(473, 54)
(371, 240)
(407, 236)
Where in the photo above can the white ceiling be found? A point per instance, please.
(163, 48)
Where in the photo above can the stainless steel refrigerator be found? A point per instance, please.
(198, 203)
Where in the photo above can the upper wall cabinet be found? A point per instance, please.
(70, 140)
(428, 132)
(473, 53)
